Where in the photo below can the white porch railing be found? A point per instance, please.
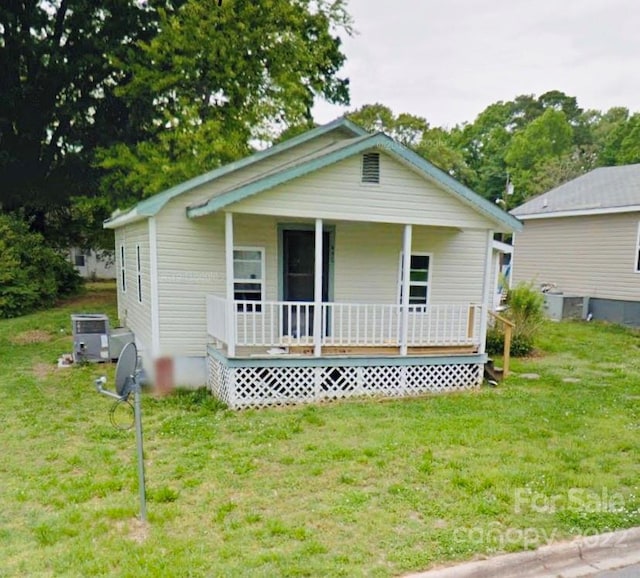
(290, 323)
(217, 318)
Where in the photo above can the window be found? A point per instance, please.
(637, 263)
(248, 278)
(419, 277)
(123, 273)
(139, 273)
(79, 260)
(371, 168)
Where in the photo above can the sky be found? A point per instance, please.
(448, 60)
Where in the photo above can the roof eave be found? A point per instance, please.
(504, 220)
(580, 212)
(121, 219)
(151, 206)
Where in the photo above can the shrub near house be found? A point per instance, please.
(32, 275)
(526, 312)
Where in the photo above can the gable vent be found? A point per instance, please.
(371, 168)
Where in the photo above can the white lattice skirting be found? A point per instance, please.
(243, 387)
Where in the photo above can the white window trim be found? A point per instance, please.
(261, 280)
(414, 308)
(123, 269)
(139, 272)
(636, 268)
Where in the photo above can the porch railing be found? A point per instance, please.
(291, 323)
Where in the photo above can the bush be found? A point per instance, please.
(525, 308)
(32, 275)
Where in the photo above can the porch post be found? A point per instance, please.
(228, 253)
(406, 272)
(486, 296)
(317, 292)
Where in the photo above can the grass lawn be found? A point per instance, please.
(372, 488)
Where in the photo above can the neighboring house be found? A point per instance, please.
(91, 264)
(277, 278)
(582, 239)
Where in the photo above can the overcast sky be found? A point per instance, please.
(447, 60)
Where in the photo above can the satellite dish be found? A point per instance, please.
(128, 381)
(126, 368)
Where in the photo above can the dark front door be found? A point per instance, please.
(298, 278)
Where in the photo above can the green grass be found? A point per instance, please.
(365, 488)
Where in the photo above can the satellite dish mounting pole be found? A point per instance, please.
(138, 418)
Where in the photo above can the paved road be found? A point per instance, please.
(628, 572)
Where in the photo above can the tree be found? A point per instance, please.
(549, 136)
(434, 144)
(162, 89)
(214, 79)
(57, 96)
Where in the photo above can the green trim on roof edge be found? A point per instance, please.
(378, 140)
(151, 206)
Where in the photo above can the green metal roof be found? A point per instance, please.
(343, 150)
(151, 206)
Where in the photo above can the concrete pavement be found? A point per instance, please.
(589, 556)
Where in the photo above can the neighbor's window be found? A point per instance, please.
(139, 273)
(419, 280)
(79, 260)
(637, 269)
(123, 272)
(371, 168)
(248, 278)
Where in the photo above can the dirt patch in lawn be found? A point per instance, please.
(42, 370)
(30, 337)
(137, 530)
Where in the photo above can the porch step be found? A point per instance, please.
(492, 373)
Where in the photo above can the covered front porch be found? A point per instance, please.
(310, 347)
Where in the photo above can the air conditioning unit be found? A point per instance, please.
(90, 337)
(118, 338)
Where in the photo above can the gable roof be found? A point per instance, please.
(601, 191)
(343, 150)
(151, 206)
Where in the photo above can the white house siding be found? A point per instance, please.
(133, 314)
(590, 256)
(336, 192)
(367, 262)
(191, 265)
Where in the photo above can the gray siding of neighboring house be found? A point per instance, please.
(590, 256)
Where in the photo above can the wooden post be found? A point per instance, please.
(317, 293)
(231, 306)
(506, 354)
(471, 321)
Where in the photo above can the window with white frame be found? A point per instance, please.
(123, 271)
(637, 263)
(248, 278)
(139, 273)
(419, 281)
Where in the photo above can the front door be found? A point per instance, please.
(298, 247)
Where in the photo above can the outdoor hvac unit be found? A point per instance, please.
(90, 337)
(118, 338)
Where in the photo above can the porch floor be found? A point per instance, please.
(343, 351)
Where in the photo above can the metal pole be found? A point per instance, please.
(138, 420)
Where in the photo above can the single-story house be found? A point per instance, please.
(582, 240)
(92, 264)
(332, 264)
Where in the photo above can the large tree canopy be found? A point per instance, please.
(161, 90)
(57, 99)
